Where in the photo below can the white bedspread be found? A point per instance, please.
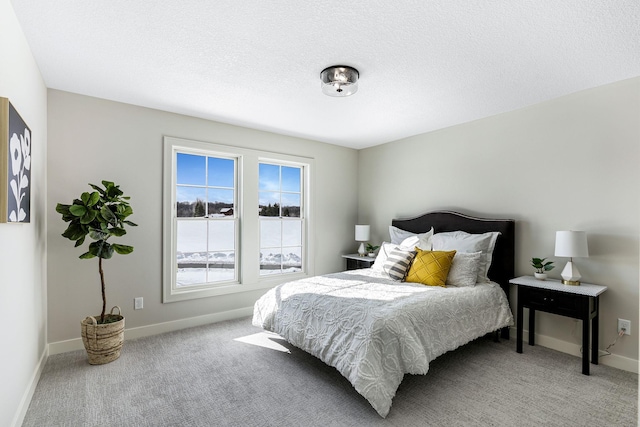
(374, 330)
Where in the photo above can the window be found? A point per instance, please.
(234, 219)
(281, 219)
(206, 225)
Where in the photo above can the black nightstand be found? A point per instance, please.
(355, 261)
(551, 296)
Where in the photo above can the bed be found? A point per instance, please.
(374, 329)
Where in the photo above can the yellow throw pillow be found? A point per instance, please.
(430, 267)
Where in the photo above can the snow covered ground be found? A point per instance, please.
(199, 248)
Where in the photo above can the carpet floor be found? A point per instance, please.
(233, 374)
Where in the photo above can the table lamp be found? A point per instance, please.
(362, 235)
(571, 244)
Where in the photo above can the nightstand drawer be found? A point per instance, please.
(552, 302)
(355, 261)
(355, 264)
(552, 299)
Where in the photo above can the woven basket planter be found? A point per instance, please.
(103, 342)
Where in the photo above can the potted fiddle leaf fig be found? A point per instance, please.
(101, 215)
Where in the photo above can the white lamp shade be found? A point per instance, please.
(571, 244)
(362, 233)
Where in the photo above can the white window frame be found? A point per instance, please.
(248, 220)
(303, 209)
(236, 220)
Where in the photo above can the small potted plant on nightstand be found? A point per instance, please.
(541, 267)
(371, 249)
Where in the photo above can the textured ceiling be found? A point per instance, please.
(424, 64)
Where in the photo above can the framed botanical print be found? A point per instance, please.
(15, 165)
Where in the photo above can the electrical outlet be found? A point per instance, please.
(137, 303)
(624, 324)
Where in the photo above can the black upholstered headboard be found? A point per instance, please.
(503, 262)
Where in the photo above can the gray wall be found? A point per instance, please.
(23, 279)
(569, 163)
(93, 139)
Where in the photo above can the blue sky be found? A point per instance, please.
(269, 185)
(269, 178)
(192, 170)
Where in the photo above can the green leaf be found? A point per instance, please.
(79, 241)
(95, 197)
(96, 234)
(101, 249)
(133, 224)
(128, 210)
(117, 231)
(87, 255)
(62, 209)
(74, 232)
(115, 191)
(77, 210)
(106, 213)
(88, 217)
(85, 197)
(122, 249)
(98, 189)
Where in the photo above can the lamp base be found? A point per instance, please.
(571, 275)
(361, 250)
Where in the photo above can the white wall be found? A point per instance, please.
(23, 246)
(93, 139)
(569, 163)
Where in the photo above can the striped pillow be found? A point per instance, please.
(398, 263)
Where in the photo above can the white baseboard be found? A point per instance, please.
(613, 360)
(28, 393)
(158, 328)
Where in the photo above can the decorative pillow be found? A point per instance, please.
(430, 267)
(464, 269)
(401, 237)
(462, 241)
(398, 263)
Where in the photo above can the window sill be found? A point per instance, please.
(263, 283)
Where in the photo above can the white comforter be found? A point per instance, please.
(374, 330)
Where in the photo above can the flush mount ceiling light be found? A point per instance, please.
(339, 80)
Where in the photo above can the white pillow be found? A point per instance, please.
(464, 269)
(407, 238)
(462, 241)
(383, 254)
